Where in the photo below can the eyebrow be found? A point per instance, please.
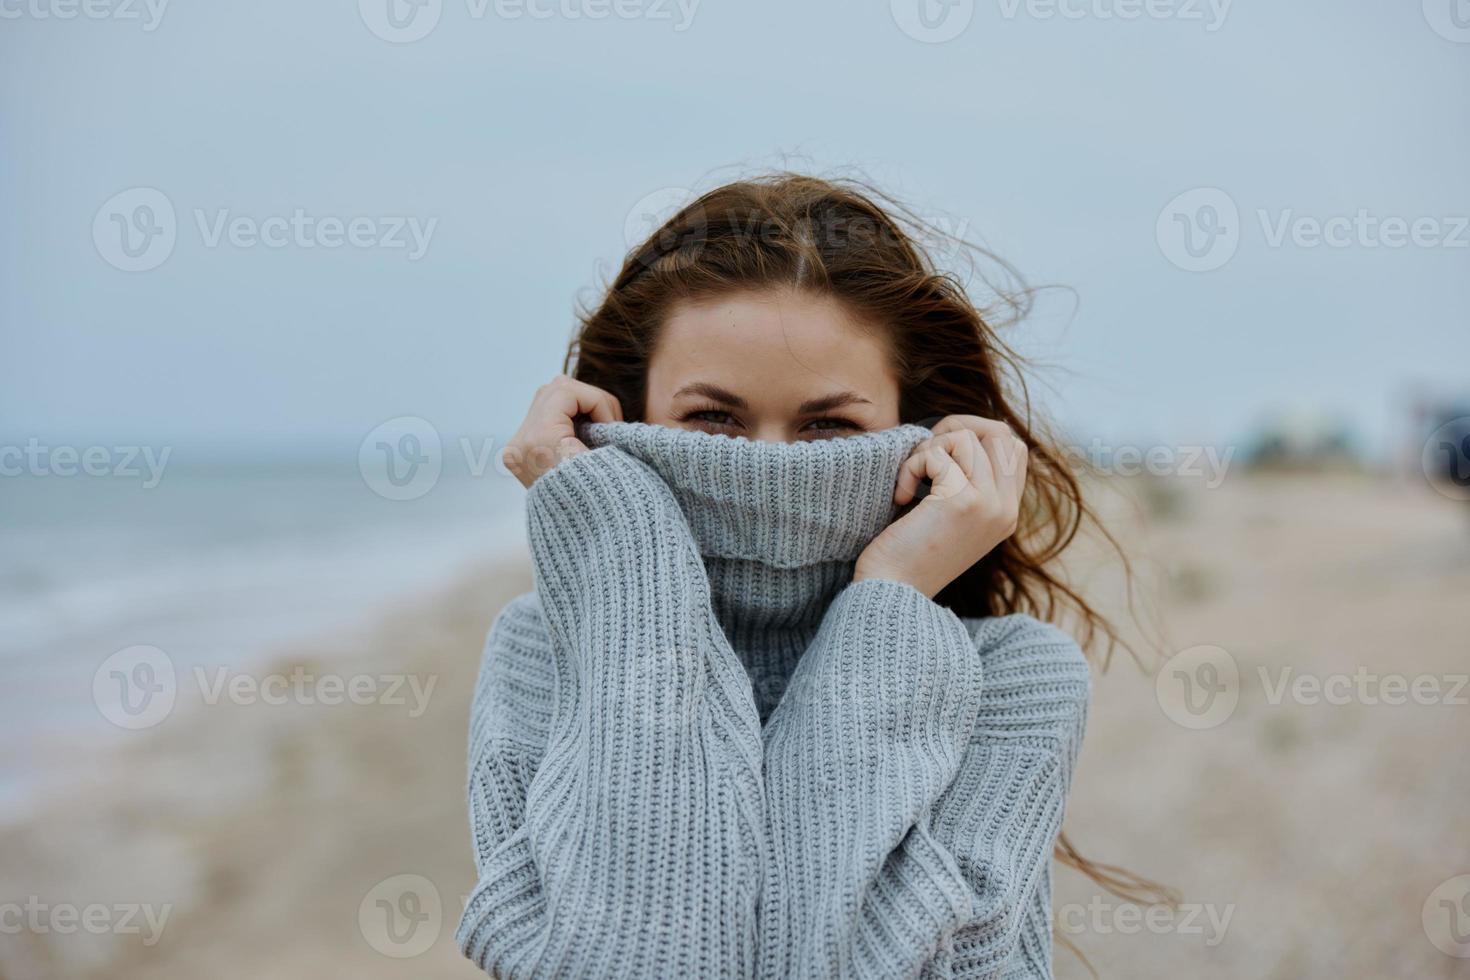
(713, 392)
(723, 396)
(828, 402)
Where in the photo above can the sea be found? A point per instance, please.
(221, 562)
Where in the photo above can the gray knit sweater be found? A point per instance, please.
(698, 749)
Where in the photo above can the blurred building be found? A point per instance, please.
(1303, 441)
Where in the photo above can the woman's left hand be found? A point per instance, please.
(978, 471)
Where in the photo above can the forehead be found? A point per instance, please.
(772, 342)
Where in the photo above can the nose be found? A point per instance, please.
(772, 432)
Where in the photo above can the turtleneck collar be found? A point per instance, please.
(779, 525)
(783, 504)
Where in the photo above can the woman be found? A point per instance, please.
(749, 724)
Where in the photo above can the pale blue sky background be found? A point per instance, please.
(1057, 142)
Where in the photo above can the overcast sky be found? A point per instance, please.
(500, 160)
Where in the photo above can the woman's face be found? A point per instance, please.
(775, 366)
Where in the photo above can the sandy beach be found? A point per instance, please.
(1304, 837)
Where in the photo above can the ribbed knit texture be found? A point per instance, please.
(699, 750)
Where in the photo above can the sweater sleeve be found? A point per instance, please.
(913, 816)
(632, 846)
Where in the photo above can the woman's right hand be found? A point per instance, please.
(548, 435)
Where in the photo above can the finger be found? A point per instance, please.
(593, 401)
(951, 462)
(1022, 471)
(913, 472)
(965, 448)
(975, 423)
(1006, 451)
(920, 466)
(947, 475)
(993, 433)
(569, 398)
(528, 462)
(569, 447)
(1008, 458)
(910, 473)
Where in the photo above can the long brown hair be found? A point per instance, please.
(832, 238)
